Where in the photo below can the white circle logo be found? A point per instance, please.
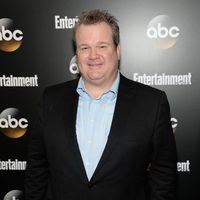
(10, 38)
(14, 195)
(162, 32)
(73, 67)
(174, 123)
(12, 124)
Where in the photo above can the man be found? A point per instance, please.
(102, 137)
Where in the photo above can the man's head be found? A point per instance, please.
(98, 16)
(97, 48)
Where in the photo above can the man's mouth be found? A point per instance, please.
(94, 64)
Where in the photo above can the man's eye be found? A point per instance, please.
(84, 48)
(103, 46)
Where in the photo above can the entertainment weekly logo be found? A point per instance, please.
(163, 79)
(13, 81)
(183, 166)
(12, 165)
(65, 22)
(163, 32)
(10, 36)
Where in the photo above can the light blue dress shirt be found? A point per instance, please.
(94, 117)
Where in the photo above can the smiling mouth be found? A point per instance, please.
(95, 64)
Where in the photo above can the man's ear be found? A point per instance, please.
(119, 51)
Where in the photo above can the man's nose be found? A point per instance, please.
(93, 53)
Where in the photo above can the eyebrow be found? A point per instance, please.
(98, 43)
(107, 43)
(82, 45)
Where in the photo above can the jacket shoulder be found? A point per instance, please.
(68, 86)
(140, 88)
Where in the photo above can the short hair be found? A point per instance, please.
(97, 16)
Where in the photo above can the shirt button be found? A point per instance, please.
(89, 141)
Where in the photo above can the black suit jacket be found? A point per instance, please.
(138, 162)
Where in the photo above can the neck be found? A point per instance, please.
(95, 92)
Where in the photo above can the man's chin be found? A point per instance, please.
(96, 76)
(96, 80)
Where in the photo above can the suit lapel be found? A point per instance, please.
(118, 124)
(70, 105)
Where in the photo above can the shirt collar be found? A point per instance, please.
(111, 92)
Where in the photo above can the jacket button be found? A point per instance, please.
(91, 185)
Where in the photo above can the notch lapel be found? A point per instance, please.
(118, 124)
(70, 104)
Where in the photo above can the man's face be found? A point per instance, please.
(97, 56)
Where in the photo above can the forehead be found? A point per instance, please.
(94, 31)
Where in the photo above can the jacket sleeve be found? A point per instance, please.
(162, 181)
(37, 173)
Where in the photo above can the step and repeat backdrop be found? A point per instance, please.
(160, 47)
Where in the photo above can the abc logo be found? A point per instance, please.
(10, 38)
(174, 123)
(162, 32)
(73, 67)
(12, 124)
(7, 35)
(14, 195)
